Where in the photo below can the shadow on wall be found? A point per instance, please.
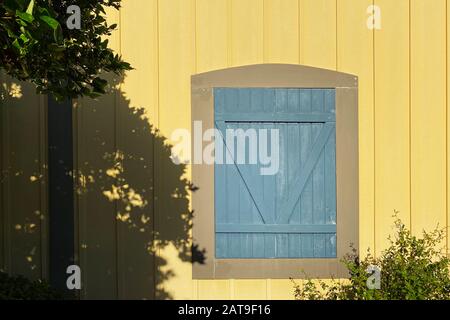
(132, 202)
(132, 170)
(22, 187)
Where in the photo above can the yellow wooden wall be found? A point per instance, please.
(403, 120)
(402, 70)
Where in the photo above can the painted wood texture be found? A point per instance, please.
(355, 54)
(291, 213)
(391, 120)
(403, 125)
(23, 178)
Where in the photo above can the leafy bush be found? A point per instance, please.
(36, 45)
(411, 269)
(20, 288)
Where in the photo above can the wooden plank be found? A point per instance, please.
(293, 100)
(355, 56)
(246, 32)
(249, 193)
(294, 245)
(258, 245)
(282, 245)
(234, 187)
(247, 204)
(448, 122)
(318, 33)
(307, 170)
(269, 98)
(330, 165)
(269, 190)
(318, 180)
(269, 200)
(317, 101)
(274, 228)
(293, 164)
(330, 246)
(140, 86)
(280, 289)
(95, 136)
(307, 246)
(177, 45)
(305, 100)
(22, 178)
(257, 99)
(270, 246)
(249, 289)
(306, 198)
(234, 246)
(281, 101)
(329, 100)
(317, 176)
(392, 127)
(330, 180)
(211, 35)
(214, 290)
(281, 31)
(137, 117)
(221, 245)
(277, 117)
(319, 245)
(280, 179)
(246, 245)
(213, 23)
(428, 115)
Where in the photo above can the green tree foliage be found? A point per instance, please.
(412, 268)
(20, 288)
(37, 46)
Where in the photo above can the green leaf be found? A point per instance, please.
(25, 16)
(99, 85)
(52, 23)
(22, 23)
(30, 7)
(24, 38)
(16, 44)
(40, 51)
(58, 34)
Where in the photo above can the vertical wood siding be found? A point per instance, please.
(403, 126)
(23, 176)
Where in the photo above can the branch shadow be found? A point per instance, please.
(131, 203)
(150, 194)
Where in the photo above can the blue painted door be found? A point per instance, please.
(292, 212)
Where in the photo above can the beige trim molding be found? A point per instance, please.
(278, 76)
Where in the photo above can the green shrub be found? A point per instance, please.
(37, 45)
(411, 268)
(20, 288)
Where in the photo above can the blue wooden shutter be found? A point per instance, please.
(291, 214)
